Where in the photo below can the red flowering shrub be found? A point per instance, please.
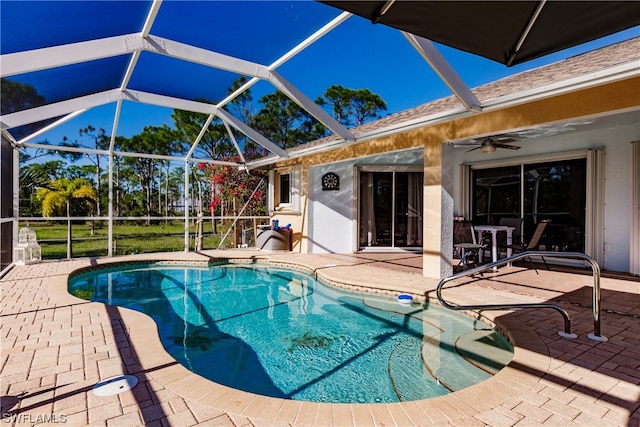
(229, 183)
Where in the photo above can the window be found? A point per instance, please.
(284, 189)
(554, 190)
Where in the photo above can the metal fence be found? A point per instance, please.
(135, 235)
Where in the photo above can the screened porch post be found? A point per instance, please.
(15, 153)
(15, 197)
(437, 252)
(112, 142)
(635, 209)
(186, 209)
(110, 218)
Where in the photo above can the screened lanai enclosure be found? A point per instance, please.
(126, 114)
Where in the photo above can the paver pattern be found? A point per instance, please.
(54, 348)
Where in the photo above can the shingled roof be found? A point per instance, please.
(573, 67)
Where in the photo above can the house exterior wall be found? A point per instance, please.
(333, 214)
(440, 169)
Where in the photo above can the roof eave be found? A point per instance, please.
(604, 76)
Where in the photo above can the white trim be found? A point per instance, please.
(271, 195)
(281, 194)
(464, 191)
(594, 215)
(293, 207)
(596, 78)
(358, 169)
(355, 209)
(388, 168)
(389, 249)
(517, 161)
(634, 229)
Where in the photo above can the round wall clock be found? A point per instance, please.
(330, 181)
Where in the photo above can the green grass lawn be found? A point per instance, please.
(128, 238)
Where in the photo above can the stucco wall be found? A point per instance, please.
(331, 213)
(616, 142)
(329, 229)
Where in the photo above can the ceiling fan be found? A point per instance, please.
(489, 145)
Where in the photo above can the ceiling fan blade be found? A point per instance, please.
(503, 140)
(510, 147)
(473, 149)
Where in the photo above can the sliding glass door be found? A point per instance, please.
(390, 209)
(554, 190)
(557, 191)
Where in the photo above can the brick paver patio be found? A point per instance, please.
(55, 348)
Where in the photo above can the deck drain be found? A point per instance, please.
(114, 385)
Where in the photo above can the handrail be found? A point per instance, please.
(595, 268)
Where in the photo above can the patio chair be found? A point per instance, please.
(534, 242)
(516, 236)
(465, 243)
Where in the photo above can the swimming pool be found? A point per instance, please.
(281, 333)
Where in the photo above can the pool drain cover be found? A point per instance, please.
(114, 385)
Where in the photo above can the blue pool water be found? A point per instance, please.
(281, 333)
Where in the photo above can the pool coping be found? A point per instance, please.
(530, 362)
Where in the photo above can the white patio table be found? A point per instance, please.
(493, 229)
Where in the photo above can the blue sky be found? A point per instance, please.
(356, 55)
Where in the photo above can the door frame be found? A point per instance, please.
(357, 170)
(594, 230)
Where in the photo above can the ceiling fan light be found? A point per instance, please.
(488, 148)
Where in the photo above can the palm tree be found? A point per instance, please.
(31, 178)
(62, 193)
